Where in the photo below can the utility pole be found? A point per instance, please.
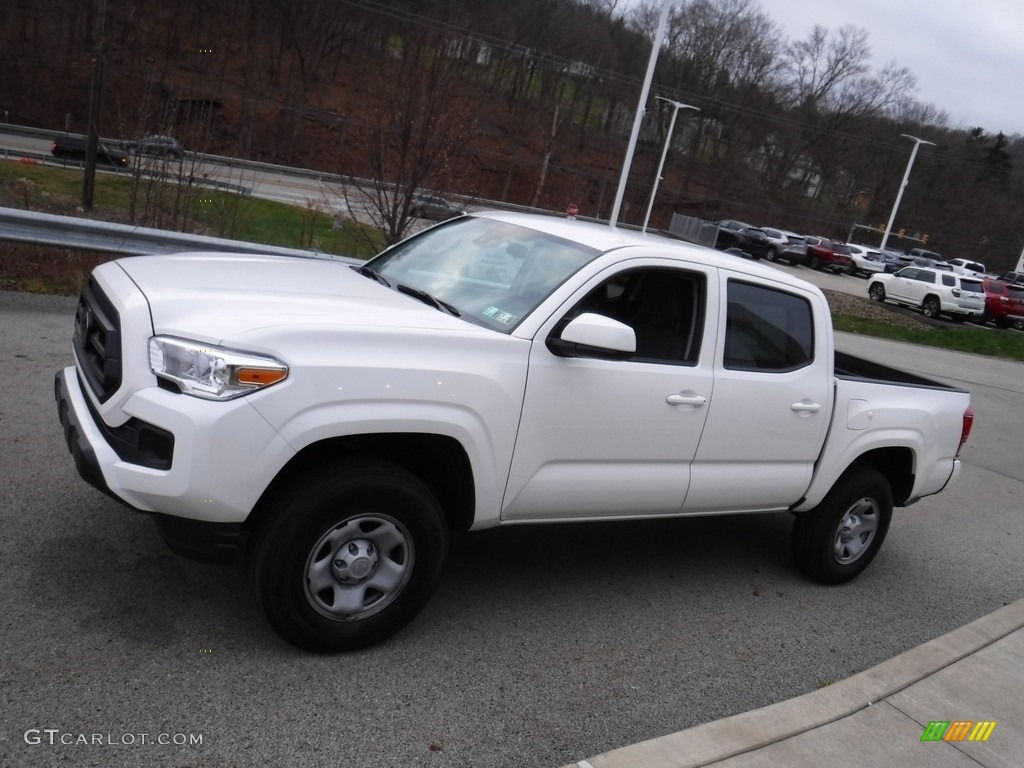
(95, 91)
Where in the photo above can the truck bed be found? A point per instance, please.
(849, 366)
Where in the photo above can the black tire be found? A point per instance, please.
(814, 263)
(841, 536)
(1001, 322)
(770, 254)
(876, 292)
(930, 307)
(348, 556)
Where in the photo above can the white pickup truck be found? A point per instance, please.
(342, 420)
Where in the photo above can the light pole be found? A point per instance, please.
(676, 106)
(639, 117)
(906, 177)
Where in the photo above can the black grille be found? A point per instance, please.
(97, 341)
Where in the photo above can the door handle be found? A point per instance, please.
(686, 398)
(806, 407)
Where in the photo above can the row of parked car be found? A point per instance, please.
(772, 244)
(960, 289)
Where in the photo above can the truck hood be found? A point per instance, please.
(217, 296)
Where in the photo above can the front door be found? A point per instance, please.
(616, 437)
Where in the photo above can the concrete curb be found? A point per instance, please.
(740, 734)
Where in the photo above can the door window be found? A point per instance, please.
(767, 329)
(664, 307)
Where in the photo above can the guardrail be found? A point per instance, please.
(85, 234)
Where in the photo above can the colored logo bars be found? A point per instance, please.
(958, 730)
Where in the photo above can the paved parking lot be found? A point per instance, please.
(542, 645)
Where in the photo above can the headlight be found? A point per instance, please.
(209, 372)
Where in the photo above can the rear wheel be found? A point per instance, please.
(876, 292)
(1001, 322)
(348, 556)
(930, 307)
(814, 262)
(840, 537)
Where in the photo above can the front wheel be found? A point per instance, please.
(841, 536)
(770, 254)
(876, 292)
(348, 556)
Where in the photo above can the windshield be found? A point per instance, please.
(493, 273)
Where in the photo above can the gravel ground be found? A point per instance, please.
(846, 304)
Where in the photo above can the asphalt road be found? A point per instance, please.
(543, 645)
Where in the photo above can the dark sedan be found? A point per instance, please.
(433, 207)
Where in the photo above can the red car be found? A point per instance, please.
(1004, 304)
(823, 253)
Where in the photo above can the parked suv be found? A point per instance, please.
(934, 291)
(795, 251)
(1013, 278)
(865, 261)
(72, 146)
(1004, 304)
(923, 253)
(823, 253)
(736, 234)
(968, 267)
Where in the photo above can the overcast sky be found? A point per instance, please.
(967, 55)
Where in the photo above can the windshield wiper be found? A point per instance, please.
(371, 272)
(426, 298)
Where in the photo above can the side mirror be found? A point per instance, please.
(592, 335)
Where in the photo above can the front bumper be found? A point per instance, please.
(224, 456)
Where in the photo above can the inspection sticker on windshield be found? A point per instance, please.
(499, 315)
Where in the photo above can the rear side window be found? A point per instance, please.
(948, 280)
(767, 329)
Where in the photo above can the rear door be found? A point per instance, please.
(773, 399)
(910, 284)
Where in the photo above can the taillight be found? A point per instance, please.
(965, 430)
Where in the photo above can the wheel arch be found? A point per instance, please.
(438, 461)
(896, 465)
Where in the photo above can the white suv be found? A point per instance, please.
(935, 291)
(968, 267)
(865, 261)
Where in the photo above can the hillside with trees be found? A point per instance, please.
(530, 102)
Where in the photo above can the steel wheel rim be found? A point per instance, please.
(358, 567)
(856, 531)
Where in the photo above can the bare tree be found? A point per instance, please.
(413, 138)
